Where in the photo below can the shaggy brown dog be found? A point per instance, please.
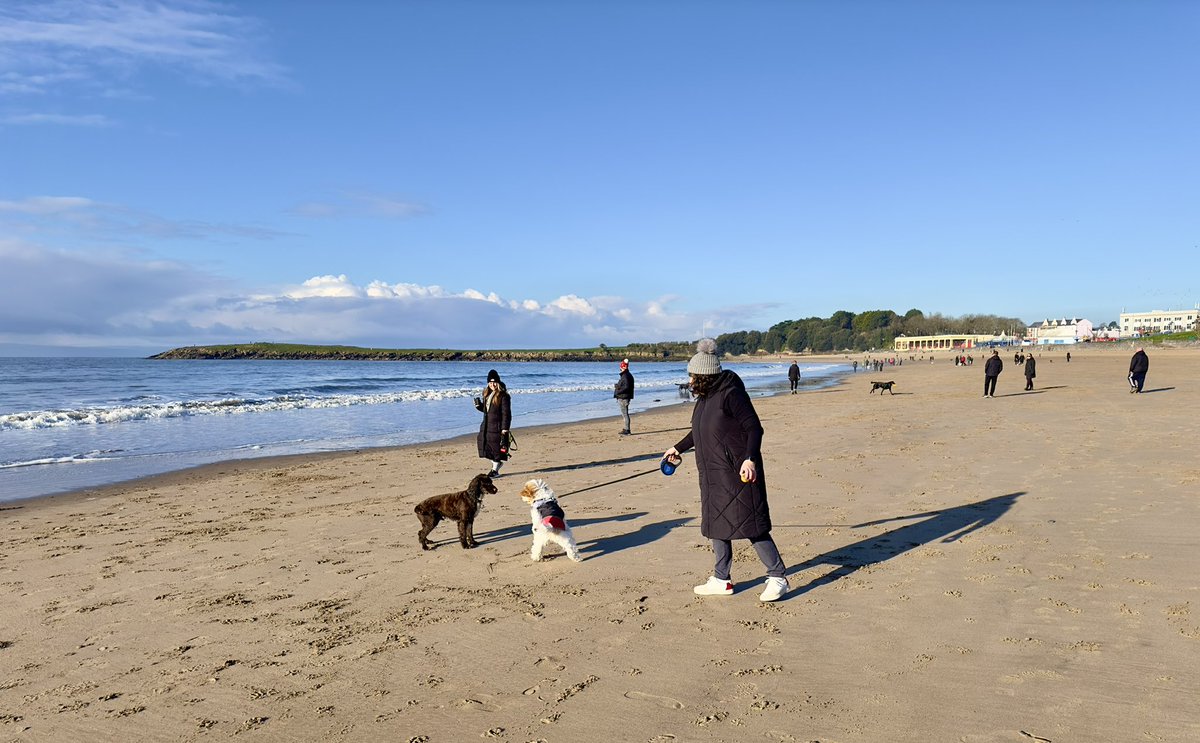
(461, 507)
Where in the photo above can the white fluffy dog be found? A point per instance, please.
(549, 521)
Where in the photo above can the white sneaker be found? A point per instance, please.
(714, 587)
(774, 590)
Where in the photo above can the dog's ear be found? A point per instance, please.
(480, 483)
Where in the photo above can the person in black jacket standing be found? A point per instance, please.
(794, 376)
(727, 436)
(497, 417)
(1030, 371)
(624, 393)
(1138, 366)
(991, 370)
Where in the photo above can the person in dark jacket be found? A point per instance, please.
(1030, 371)
(1138, 366)
(794, 376)
(727, 436)
(624, 393)
(991, 370)
(497, 417)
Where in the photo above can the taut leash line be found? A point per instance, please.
(610, 482)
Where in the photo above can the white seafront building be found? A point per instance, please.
(1067, 330)
(1135, 324)
(951, 342)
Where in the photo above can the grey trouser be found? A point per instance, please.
(764, 546)
(624, 412)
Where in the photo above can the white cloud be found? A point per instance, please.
(573, 304)
(44, 205)
(54, 298)
(326, 286)
(90, 219)
(60, 119)
(404, 291)
(51, 45)
(361, 205)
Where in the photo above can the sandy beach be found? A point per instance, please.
(1018, 569)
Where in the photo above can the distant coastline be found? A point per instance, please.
(291, 351)
(641, 352)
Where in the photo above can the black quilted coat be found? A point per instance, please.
(497, 417)
(726, 432)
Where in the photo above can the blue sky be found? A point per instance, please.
(555, 174)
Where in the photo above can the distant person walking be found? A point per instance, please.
(624, 394)
(794, 376)
(727, 435)
(495, 404)
(856, 366)
(1030, 371)
(1068, 357)
(991, 371)
(1138, 366)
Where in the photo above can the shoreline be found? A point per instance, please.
(102, 489)
(254, 465)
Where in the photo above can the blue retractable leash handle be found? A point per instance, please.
(666, 466)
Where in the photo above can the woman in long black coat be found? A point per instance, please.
(727, 436)
(495, 404)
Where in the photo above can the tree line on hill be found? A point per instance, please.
(863, 331)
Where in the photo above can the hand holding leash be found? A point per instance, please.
(670, 461)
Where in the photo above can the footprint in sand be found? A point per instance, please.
(477, 704)
(666, 702)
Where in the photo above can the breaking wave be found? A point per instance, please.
(143, 409)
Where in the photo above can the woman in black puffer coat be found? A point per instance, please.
(727, 436)
(497, 417)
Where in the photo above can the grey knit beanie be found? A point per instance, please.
(705, 361)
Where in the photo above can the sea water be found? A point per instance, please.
(73, 423)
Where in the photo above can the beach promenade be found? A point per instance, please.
(963, 569)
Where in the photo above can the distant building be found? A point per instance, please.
(1135, 324)
(950, 342)
(1060, 332)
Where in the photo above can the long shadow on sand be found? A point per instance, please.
(944, 526)
(1158, 389)
(645, 535)
(1038, 391)
(661, 430)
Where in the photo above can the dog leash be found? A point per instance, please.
(610, 482)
